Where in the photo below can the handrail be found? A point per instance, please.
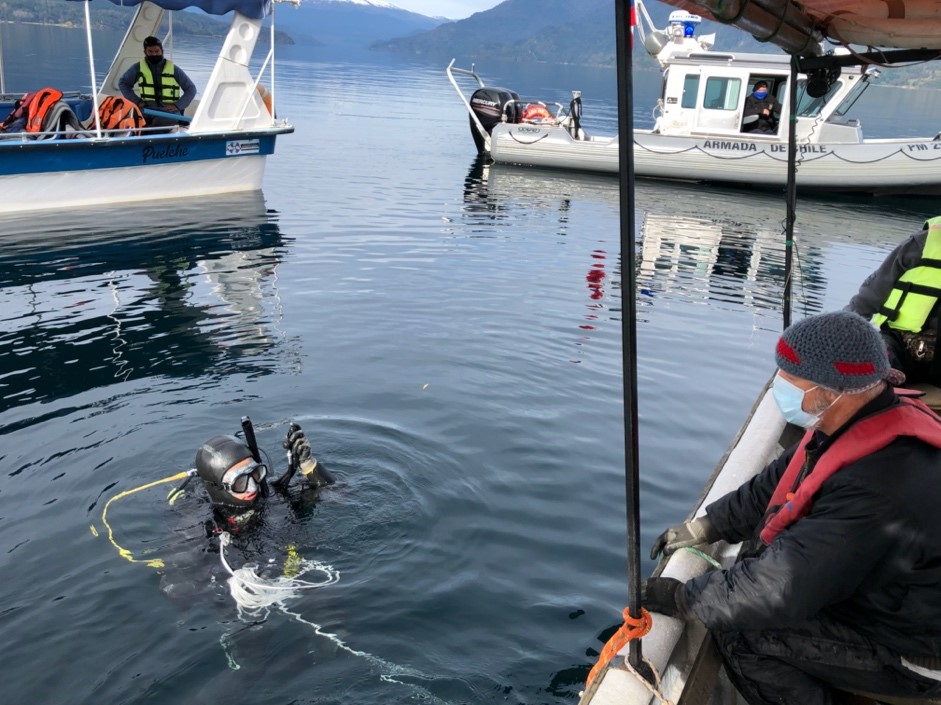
(84, 134)
(451, 70)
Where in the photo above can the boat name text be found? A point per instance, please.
(529, 130)
(753, 147)
(171, 151)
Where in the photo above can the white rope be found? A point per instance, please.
(255, 594)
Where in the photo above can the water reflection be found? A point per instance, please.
(181, 289)
(687, 244)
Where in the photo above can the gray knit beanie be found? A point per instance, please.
(841, 351)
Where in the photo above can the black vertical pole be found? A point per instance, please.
(624, 37)
(791, 190)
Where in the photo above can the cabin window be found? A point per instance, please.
(690, 90)
(722, 93)
(808, 106)
(850, 100)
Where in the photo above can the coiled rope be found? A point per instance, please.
(255, 594)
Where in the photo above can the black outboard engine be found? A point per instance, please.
(488, 104)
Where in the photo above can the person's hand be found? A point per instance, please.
(298, 445)
(766, 112)
(660, 595)
(172, 108)
(691, 533)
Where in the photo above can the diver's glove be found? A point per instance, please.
(301, 458)
(691, 533)
(664, 595)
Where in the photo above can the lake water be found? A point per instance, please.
(449, 336)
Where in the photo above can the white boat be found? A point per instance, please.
(229, 130)
(699, 131)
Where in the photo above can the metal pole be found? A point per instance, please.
(3, 82)
(791, 190)
(624, 37)
(91, 66)
(272, 63)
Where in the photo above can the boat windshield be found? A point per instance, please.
(807, 105)
(850, 100)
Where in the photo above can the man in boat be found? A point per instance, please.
(161, 85)
(838, 586)
(901, 297)
(762, 111)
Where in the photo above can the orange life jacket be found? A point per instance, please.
(116, 113)
(37, 105)
(910, 417)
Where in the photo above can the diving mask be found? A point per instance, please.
(244, 477)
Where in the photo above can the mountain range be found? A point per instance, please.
(544, 31)
(550, 31)
(350, 24)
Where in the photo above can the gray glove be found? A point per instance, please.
(691, 533)
(297, 443)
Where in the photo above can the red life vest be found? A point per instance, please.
(910, 417)
(37, 105)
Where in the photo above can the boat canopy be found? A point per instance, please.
(904, 24)
(254, 9)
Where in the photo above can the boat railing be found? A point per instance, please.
(472, 72)
(89, 133)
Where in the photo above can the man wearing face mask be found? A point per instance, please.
(839, 586)
(762, 111)
(161, 85)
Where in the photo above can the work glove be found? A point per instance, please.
(691, 533)
(301, 458)
(660, 595)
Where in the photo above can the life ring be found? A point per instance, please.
(536, 113)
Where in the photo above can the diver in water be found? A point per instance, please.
(237, 484)
(236, 479)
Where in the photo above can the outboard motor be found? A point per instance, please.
(488, 104)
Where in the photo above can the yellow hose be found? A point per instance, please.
(154, 562)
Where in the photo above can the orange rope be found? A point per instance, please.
(633, 628)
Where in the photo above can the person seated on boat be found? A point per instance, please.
(838, 586)
(901, 298)
(762, 111)
(161, 85)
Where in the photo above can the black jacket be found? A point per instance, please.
(853, 558)
(754, 106)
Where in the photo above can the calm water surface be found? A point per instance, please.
(449, 336)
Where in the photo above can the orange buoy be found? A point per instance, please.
(536, 112)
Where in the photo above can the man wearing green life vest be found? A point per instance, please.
(901, 298)
(160, 84)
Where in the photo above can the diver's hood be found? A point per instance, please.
(213, 458)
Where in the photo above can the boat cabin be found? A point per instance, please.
(703, 93)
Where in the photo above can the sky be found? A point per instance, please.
(452, 9)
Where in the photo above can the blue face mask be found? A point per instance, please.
(761, 94)
(790, 400)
